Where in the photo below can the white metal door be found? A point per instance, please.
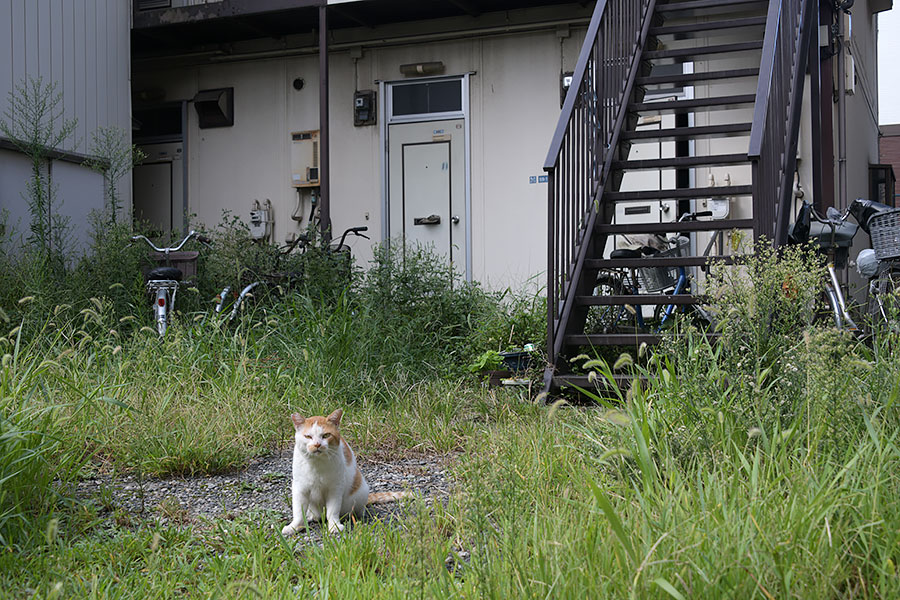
(153, 195)
(427, 186)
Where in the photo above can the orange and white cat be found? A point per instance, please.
(326, 479)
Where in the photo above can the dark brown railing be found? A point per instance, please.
(776, 117)
(583, 146)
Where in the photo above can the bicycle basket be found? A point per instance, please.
(884, 229)
(654, 279)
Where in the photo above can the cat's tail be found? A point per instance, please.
(383, 497)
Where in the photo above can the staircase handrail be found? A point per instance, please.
(777, 112)
(582, 150)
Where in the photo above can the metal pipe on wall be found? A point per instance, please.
(324, 195)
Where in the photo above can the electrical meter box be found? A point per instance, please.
(305, 158)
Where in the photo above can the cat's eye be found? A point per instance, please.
(325, 436)
(307, 436)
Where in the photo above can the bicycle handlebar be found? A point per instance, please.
(191, 234)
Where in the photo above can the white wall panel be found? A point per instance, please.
(83, 46)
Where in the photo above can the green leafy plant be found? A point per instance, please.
(113, 157)
(37, 126)
(489, 360)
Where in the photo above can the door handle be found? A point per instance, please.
(429, 220)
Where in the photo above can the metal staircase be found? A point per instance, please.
(674, 104)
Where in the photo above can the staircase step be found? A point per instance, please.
(714, 103)
(692, 28)
(622, 339)
(687, 133)
(677, 193)
(623, 382)
(703, 50)
(637, 299)
(694, 5)
(680, 162)
(651, 261)
(688, 78)
(626, 228)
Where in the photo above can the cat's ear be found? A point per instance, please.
(298, 420)
(335, 417)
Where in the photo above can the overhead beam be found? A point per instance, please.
(144, 19)
(467, 5)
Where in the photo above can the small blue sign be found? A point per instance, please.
(542, 179)
(532, 179)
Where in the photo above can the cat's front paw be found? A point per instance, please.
(335, 526)
(290, 529)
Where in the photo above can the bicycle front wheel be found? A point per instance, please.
(883, 303)
(608, 318)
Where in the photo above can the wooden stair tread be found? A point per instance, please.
(674, 194)
(680, 161)
(687, 78)
(724, 224)
(713, 103)
(687, 133)
(703, 50)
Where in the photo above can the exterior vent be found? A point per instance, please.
(153, 4)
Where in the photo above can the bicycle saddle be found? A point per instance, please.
(164, 273)
(625, 253)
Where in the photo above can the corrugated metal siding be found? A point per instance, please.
(83, 46)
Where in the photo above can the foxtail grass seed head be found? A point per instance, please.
(154, 543)
(52, 530)
(116, 285)
(14, 331)
(642, 349)
(26, 300)
(754, 432)
(55, 591)
(7, 358)
(147, 329)
(579, 357)
(623, 361)
(720, 417)
(554, 408)
(630, 309)
(592, 376)
(617, 417)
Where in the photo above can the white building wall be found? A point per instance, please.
(515, 104)
(83, 46)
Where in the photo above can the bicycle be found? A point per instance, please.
(672, 281)
(832, 236)
(289, 279)
(163, 281)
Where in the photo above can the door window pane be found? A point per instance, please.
(427, 97)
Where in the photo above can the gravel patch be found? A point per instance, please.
(262, 487)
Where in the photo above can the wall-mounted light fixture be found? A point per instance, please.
(420, 69)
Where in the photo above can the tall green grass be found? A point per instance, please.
(724, 473)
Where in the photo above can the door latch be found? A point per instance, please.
(429, 220)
